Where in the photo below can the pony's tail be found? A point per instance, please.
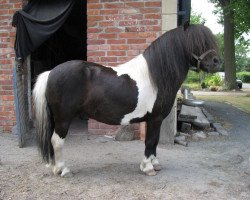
(44, 121)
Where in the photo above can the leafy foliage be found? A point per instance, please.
(192, 77)
(244, 76)
(242, 47)
(196, 18)
(241, 10)
(212, 80)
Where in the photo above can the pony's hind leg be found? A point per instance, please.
(57, 141)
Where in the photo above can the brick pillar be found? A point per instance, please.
(117, 32)
(7, 56)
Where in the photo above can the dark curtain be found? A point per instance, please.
(37, 22)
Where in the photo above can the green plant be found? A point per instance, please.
(212, 80)
(244, 76)
(192, 77)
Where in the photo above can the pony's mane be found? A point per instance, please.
(168, 56)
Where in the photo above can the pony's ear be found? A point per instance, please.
(186, 25)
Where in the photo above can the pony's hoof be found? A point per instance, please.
(66, 173)
(157, 167)
(56, 170)
(151, 172)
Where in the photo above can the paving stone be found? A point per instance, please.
(220, 129)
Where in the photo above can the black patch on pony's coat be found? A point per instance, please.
(95, 91)
(170, 56)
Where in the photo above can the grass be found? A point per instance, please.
(242, 102)
(193, 86)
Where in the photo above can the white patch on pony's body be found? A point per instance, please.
(59, 167)
(137, 69)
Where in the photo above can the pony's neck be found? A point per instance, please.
(167, 60)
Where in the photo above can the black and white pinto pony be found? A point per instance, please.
(143, 89)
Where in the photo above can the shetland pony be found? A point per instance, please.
(143, 89)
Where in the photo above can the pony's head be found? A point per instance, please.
(202, 45)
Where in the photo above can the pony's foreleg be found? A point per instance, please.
(59, 165)
(150, 163)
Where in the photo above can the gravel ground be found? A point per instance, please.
(215, 168)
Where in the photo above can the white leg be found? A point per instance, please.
(150, 165)
(155, 163)
(59, 167)
(147, 167)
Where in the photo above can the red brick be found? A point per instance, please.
(132, 17)
(138, 46)
(153, 28)
(150, 40)
(109, 59)
(108, 12)
(107, 23)
(116, 41)
(93, 35)
(135, 4)
(109, 0)
(113, 30)
(92, 24)
(114, 5)
(119, 47)
(7, 98)
(6, 6)
(93, 59)
(4, 12)
(94, 30)
(96, 53)
(5, 82)
(95, 18)
(104, 47)
(18, 5)
(93, 12)
(133, 52)
(136, 41)
(94, 6)
(125, 59)
(128, 23)
(128, 35)
(153, 4)
(93, 1)
(116, 53)
(94, 41)
(114, 17)
(147, 35)
(7, 87)
(150, 22)
(129, 11)
(107, 35)
(150, 10)
(135, 29)
(152, 16)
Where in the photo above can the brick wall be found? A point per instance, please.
(119, 30)
(7, 38)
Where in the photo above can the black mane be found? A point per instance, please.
(169, 56)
